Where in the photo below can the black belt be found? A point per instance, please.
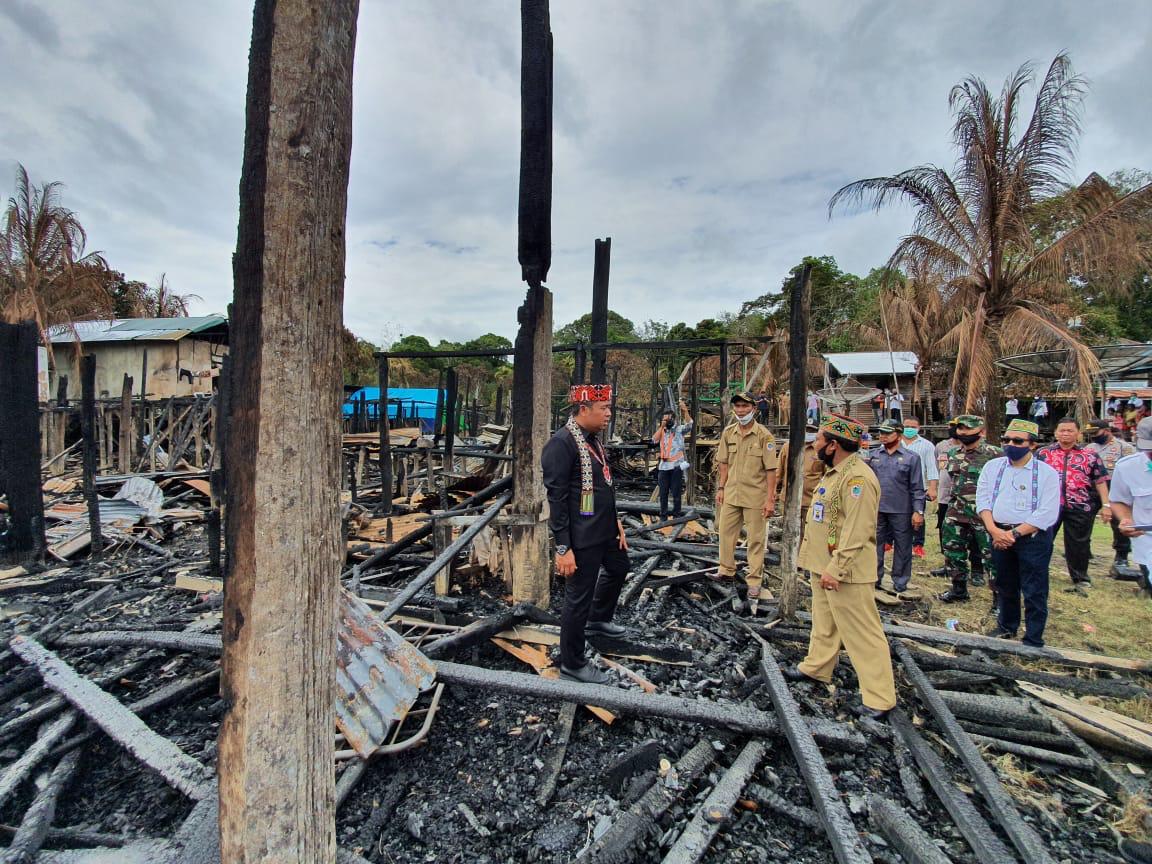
(1004, 527)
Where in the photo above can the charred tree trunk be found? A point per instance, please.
(20, 439)
(600, 310)
(91, 448)
(277, 789)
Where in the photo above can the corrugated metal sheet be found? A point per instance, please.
(873, 362)
(379, 676)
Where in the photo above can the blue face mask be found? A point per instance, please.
(910, 433)
(1016, 451)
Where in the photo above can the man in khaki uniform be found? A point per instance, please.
(839, 553)
(746, 491)
(811, 470)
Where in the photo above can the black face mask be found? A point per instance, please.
(1102, 438)
(967, 440)
(825, 455)
(952, 427)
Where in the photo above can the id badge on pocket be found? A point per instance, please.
(818, 511)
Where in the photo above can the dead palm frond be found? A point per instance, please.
(45, 274)
(974, 233)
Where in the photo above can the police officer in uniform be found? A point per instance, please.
(839, 554)
(745, 491)
(962, 525)
(589, 536)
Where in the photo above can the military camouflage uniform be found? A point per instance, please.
(961, 524)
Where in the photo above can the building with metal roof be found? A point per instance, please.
(174, 356)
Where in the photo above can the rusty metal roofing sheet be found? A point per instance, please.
(379, 676)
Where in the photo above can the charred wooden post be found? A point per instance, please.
(902, 832)
(383, 414)
(38, 819)
(142, 423)
(725, 396)
(451, 418)
(615, 393)
(693, 478)
(20, 439)
(277, 789)
(498, 417)
(580, 363)
(601, 266)
(217, 472)
(529, 560)
(59, 429)
(438, 422)
(125, 439)
(799, 314)
(88, 430)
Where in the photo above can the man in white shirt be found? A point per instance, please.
(926, 450)
(1132, 498)
(1012, 408)
(895, 406)
(1018, 500)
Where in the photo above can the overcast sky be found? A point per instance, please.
(704, 136)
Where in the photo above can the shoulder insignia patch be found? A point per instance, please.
(857, 491)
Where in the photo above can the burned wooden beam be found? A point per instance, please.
(555, 761)
(440, 561)
(1007, 732)
(649, 508)
(909, 779)
(805, 816)
(37, 820)
(20, 439)
(694, 841)
(602, 261)
(1070, 683)
(1023, 836)
(15, 774)
(725, 716)
(71, 837)
(619, 842)
(800, 309)
(995, 710)
(978, 833)
(838, 825)
(1036, 754)
(197, 643)
(902, 832)
(124, 727)
(475, 632)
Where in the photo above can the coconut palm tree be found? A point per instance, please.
(45, 274)
(163, 302)
(974, 228)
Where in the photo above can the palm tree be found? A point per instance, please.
(917, 319)
(163, 302)
(974, 229)
(45, 274)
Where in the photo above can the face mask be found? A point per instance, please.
(952, 427)
(746, 419)
(826, 456)
(1016, 451)
(1102, 438)
(911, 433)
(967, 439)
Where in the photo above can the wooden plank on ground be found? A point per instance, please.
(1129, 730)
(539, 660)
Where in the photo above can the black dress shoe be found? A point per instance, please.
(604, 628)
(793, 673)
(977, 578)
(939, 571)
(1000, 633)
(586, 674)
(863, 710)
(954, 595)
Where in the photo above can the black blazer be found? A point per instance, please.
(561, 463)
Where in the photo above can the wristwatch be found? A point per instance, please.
(1016, 533)
(561, 550)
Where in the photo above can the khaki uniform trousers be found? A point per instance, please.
(849, 617)
(751, 519)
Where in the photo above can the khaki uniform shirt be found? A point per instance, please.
(749, 457)
(854, 558)
(811, 470)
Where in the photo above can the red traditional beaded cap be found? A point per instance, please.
(589, 393)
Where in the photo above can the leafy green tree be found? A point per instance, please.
(360, 366)
(620, 329)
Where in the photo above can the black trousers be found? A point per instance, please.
(670, 482)
(1120, 543)
(1022, 571)
(1077, 525)
(590, 595)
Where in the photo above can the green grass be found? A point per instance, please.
(1115, 618)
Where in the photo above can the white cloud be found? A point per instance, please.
(705, 139)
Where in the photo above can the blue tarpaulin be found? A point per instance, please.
(413, 402)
